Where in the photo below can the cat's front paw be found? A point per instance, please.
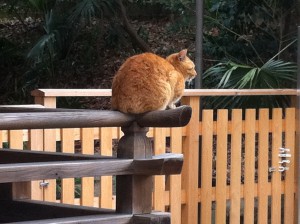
(172, 106)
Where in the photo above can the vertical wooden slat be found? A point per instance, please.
(175, 180)
(263, 164)
(49, 145)
(249, 166)
(87, 183)
(36, 143)
(276, 176)
(21, 190)
(67, 184)
(190, 171)
(289, 210)
(206, 166)
(221, 167)
(15, 138)
(159, 181)
(235, 171)
(106, 194)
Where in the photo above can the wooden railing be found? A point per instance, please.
(133, 165)
(227, 154)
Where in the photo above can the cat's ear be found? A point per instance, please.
(182, 55)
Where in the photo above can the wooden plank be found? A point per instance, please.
(92, 118)
(187, 92)
(67, 185)
(106, 188)
(36, 143)
(289, 199)
(221, 167)
(87, 183)
(20, 189)
(276, 176)
(249, 166)
(235, 171)
(190, 172)
(15, 139)
(159, 181)
(157, 165)
(206, 166)
(49, 140)
(175, 180)
(263, 165)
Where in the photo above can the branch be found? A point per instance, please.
(131, 32)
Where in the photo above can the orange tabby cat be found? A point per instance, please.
(147, 82)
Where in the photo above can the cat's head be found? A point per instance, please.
(183, 64)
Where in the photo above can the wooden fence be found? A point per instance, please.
(227, 157)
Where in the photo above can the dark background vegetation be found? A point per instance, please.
(81, 44)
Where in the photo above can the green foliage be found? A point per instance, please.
(244, 35)
(247, 32)
(274, 74)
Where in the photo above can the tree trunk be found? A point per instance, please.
(131, 32)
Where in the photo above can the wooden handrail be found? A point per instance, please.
(44, 118)
(187, 92)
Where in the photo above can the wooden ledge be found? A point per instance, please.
(187, 92)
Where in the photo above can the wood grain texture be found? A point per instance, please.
(263, 165)
(134, 193)
(68, 184)
(60, 169)
(178, 117)
(106, 183)
(249, 166)
(190, 170)
(87, 183)
(67, 118)
(289, 209)
(221, 167)
(187, 92)
(175, 180)
(276, 176)
(159, 181)
(235, 171)
(206, 166)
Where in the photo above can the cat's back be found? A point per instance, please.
(145, 64)
(141, 84)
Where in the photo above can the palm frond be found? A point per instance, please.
(273, 74)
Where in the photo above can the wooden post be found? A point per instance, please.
(134, 193)
(190, 168)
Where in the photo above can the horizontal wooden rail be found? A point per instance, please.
(187, 92)
(24, 171)
(68, 118)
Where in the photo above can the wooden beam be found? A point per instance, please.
(82, 168)
(187, 92)
(46, 118)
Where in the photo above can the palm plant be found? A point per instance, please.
(273, 74)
